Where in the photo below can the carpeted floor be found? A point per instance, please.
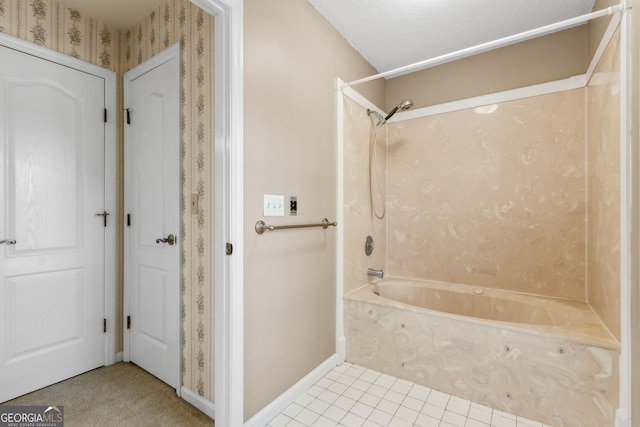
(118, 395)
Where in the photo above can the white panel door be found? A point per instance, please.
(51, 187)
(152, 97)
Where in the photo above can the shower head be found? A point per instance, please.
(404, 105)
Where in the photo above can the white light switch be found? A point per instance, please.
(273, 205)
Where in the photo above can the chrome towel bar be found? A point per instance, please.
(261, 226)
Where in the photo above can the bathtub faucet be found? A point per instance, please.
(374, 272)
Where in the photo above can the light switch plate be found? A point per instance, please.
(273, 205)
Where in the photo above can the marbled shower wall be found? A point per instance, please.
(496, 196)
(603, 231)
(57, 27)
(492, 196)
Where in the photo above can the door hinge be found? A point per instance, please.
(104, 328)
(105, 115)
(128, 322)
(128, 220)
(229, 249)
(128, 116)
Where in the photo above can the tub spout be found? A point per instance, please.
(374, 272)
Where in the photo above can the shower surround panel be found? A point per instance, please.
(492, 196)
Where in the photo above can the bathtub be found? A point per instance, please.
(542, 358)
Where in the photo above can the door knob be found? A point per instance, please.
(170, 239)
(8, 242)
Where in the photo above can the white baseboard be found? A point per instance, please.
(199, 402)
(119, 357)
(281, 403)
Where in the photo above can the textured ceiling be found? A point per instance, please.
(394, 33)
(122, 14)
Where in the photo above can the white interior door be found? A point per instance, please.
(52, 184)
(152, 97)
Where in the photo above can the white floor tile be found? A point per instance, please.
(454, 418)
(407, 414)
(384, 381)
(334, 413)
(380, 417)
(355, 371)
(479, 414)
(525, 422)
(459, 406)
(344, 402)
(437, 398)
(401, 387)
(352, 420)
(412, 403)
(499, 421)
(475, 423)
(324, 382)
(333, 375)
(419, 392)
(293, 410)
(346, 379)
(280, 421)
(394, 396)
(361, 410)
(369, 376)
(424, 420)
(360, 384)
(305, 399)
(370, 399)
(324, 422)
(307, 417)
(399, 422)
(318, 406)
(328, 396)
(353, 393)
(315, 391)
(337, 387)
(432, 410)
(354, 396)
(387, 406)
(376, 390)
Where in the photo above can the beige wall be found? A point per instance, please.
(292, 57)
(544, 59)
(597, 27)
(603, 233)
(53, 25)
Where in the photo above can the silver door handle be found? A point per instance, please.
(8, 242)
(170, 239)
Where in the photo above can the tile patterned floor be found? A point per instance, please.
(354, 396)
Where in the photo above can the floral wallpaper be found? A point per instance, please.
(57, 27)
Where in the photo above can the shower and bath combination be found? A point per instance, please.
(373, 159)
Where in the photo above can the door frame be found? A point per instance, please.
(229, 212)
(109, 173)
(172, 52)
